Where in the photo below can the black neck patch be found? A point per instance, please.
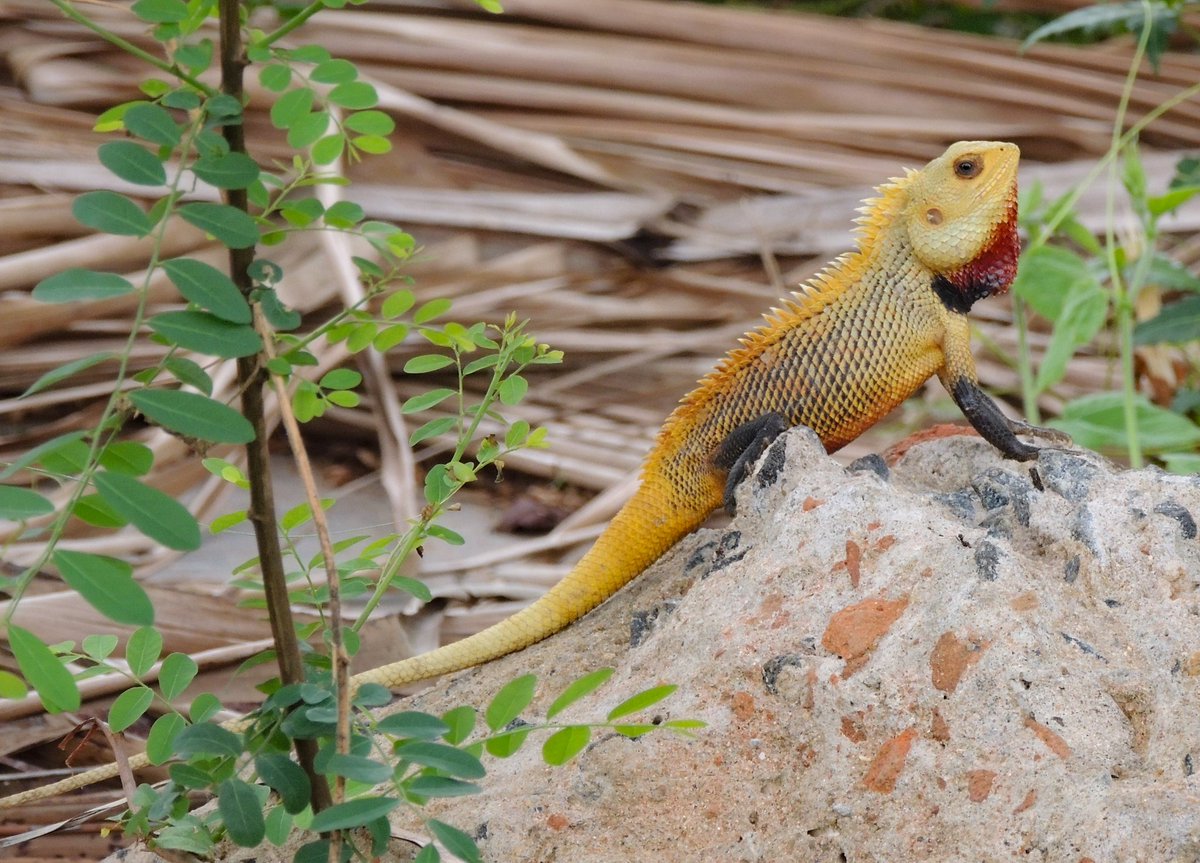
(958, 299)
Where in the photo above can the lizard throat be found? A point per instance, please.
(991, 272)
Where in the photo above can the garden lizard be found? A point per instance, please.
(836, 355)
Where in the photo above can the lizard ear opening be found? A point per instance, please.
(933, 216)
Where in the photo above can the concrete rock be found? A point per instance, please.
(954, 658)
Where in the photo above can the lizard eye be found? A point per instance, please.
(968, 168)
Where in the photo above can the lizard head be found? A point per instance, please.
(961, 217)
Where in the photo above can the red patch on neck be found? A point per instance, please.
(994, 269)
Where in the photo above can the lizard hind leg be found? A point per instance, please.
(741, 449)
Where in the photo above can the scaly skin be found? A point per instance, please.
(836, 356)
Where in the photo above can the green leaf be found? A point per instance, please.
(430, 310)
(132, 162)
(433, 428)
(389, 337)
(178, 672)
(302, 212)
(143, 649)
(328, 149)
(12, 686)
(242, 812)
(107, 584)
(445, 534)
(279, 826)
(229, 225)
(636, 730)
(412, 723)
(159, 516)
(224, 522)
(65, 371)
(428, 854)
(398, 303)
(461, 722)
(354, 95)
(18, 504)
(112, 213)
(1169, 273)
(440, 786)
(290, 107)
(343, 398)
(1089, 18)
(340, 379)
(641, 701)
(359, 768)
(361, 337)
(129, 707)
(204, 707)
(275, 77)
(207, 334)
(189, 372)
(42, 669)
(427, 363)
(564, 744)
(456, 762)
(193, 415)
(287, 778)
(582, 687)
(306, 404)
(513, 389)
(92, 509)
(76, 283)
(334, 72)
(353, 813)
(508, 743)
(160, 743)
(1098, 422)
(508, 703)
(1047, 276)
(343, 214)
(227, 171)
(1082, 315)
(370, 123)
(99, 647)
(307, 130)
(455, 841)
(205, 738)
(1177, 323)
(160, 11)
(151, 123)
(1172, 199)
(277, 314)
(376, 145)
(1182, 462)
(128, 457)
(68, 459)
(425, 401)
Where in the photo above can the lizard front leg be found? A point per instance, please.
(957, 375)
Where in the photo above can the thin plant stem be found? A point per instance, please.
(1024, 366)
(1121, 298)
(125, 45)
(293, 23)
(251, 377)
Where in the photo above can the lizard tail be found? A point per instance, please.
(650, 523)
(71, 783)
(638, 535)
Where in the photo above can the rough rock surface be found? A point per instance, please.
(943, 659)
